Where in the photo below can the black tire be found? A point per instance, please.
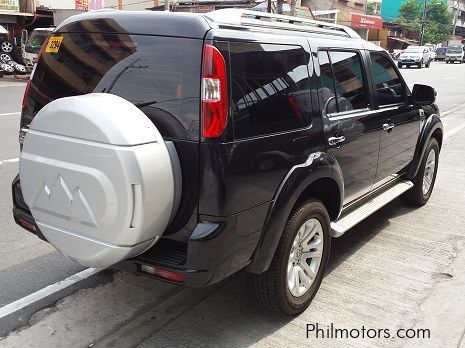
(415, 196)
(270, 288)
(399, 65)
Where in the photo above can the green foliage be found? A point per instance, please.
(438, 23)
(370, 8)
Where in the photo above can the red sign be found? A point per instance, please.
(82, 5)
(364, 21)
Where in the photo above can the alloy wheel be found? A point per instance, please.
(430, 168)
(305, 257)
(5, 57)
(7, 46)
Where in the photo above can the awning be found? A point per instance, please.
(13, 13)
(401, 40)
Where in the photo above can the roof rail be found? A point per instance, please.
(233, 16)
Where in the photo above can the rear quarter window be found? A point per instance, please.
(160, 75)
(270, 88)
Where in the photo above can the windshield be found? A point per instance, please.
(454, 49)
(36, 40)
(414, 50)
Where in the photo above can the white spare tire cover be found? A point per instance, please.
(97, 177)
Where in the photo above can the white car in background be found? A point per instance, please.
(415, 56)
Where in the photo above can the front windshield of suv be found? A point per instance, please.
(414, 50)
(454, 49)
(36, 40)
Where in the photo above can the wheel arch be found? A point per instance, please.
(321, 178)
(433, 128)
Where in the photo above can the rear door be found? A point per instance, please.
(351, 126)
(398, 118)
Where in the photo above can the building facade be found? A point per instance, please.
(390, 10)
(457, 7)
(350, 13)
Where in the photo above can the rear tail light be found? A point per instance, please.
(214, 93)
(39, 55)
(163, 273)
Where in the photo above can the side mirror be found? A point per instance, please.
(423, 95)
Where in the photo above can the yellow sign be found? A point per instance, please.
(54, 44)
(9, 5)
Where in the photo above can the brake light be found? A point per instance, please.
(214, 93)
(163, 273)
(39, 55)
(26, 91)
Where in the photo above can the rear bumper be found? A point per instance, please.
(217, 248)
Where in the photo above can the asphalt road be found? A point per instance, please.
(381, 273)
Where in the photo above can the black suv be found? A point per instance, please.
(188, 147)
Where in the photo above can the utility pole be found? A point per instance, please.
(456, 17)
(423, 20)
(269, 7)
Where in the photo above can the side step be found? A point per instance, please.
(346, 222)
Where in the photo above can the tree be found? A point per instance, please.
(438, 22)
(370, 8)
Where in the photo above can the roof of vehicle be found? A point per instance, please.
(45, 29)
(191, 25)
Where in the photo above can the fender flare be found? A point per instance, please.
(319, 165)
(432, 124)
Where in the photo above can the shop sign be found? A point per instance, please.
(368, 22)
(96, 4)
(9, 5)
(82, 5)
(87, 5)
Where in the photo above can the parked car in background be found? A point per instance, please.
(415, 56)
(454, 54)
(441, 53)
(33, 44)
(433, 55)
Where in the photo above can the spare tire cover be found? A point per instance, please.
(97, 177)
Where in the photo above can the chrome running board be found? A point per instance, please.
(347, 221)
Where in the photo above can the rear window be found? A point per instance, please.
(160, 75)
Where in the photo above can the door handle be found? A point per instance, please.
(388, 127)
(336, 140)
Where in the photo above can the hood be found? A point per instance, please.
(411, 54)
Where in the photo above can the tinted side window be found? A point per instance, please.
(327, 83)
(349, 81)
(389, 86)
(270, 88)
